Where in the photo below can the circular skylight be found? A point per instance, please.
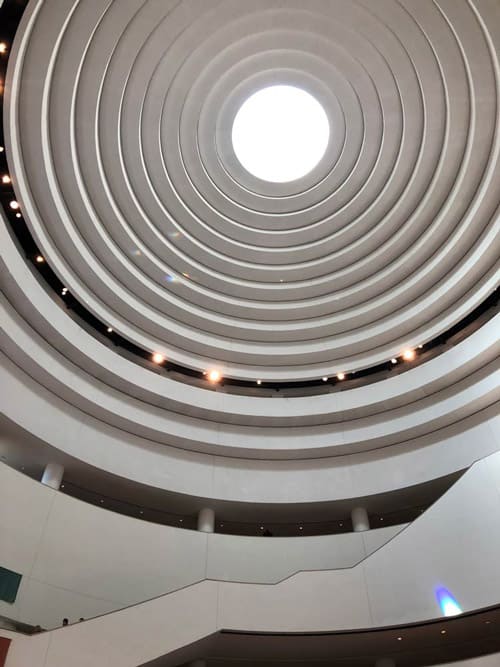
(280, 133)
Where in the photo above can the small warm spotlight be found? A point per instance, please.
(3, 47)
(40, 259)
(394, 360)
(259, 381)
(443, 632)
(158, 358)
(409, 355)
(110, 330)
(214, 375)
(6, 179)
(18, 215)
(324, 378)
(340, 376)
(1, 149)
(14, 204)
(64, 290)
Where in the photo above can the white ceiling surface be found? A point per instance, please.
(119, 120)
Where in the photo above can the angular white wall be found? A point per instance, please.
(454, 544)
(79, 560)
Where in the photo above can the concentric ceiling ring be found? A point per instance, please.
(131, 188)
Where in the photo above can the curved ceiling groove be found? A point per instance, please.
(132, 191)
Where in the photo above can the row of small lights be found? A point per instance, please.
(213, 375)
(443, 631)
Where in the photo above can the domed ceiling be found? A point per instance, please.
(120, 141)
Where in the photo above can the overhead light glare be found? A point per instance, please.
(158, 358)
(40, 259)
(110, 330)
(394, 360)
(409, 355)
(3, 47)
(259, 381)
(214, 375)
(340, 376)
(324, 378)
(280, 133)
(6, 179)
(14, 204)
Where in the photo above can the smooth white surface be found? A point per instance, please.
(391, 587)
(206, 520)
(360, 521)
(53, 475)
(79, 560)
(280, 133)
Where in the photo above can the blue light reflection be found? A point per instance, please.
(449, 606)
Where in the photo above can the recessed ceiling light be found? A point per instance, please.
(6, 179)
(214, 375)
(280, 133)
(400, 639)
(443, 632)
(14, 204)
(1, 149)
(110, 330)
(259, 381)
(409, 355)
(340, 376)
(324, 378)
(158, 358)
(18, 215)
(3, 49)
(394, 360)
(40, 259)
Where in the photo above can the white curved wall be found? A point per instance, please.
(457, 543)
(391, 467)
(79, 560)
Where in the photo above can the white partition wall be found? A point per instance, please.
(455, 549)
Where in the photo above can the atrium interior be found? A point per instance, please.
(249, 387)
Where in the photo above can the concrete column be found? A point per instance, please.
(360, 520)
(52, 475)
(206, 520)
(385, 662)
